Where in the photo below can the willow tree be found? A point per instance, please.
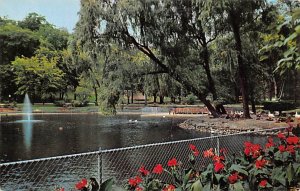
(167, 32)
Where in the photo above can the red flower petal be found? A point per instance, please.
(218, 166)
(263, 183)
(293, 140)
(158, 169)
(172, 162)
(233, 178)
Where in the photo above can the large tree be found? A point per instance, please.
(166, 32)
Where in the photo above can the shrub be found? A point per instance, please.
(191, 99)
(76, 103)
(278, 106)
(59, 103)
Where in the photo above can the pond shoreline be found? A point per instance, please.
(226, 126)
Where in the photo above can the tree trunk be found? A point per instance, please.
(275, 88)
(161, 99)
(132, 96)
(295, 86)
(128, 98)
(211, 83)
(154, 98)
(145, 97)
(241, 68)
(96, 96)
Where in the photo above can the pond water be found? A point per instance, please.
(75, 133)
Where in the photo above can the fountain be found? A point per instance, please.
(27, 109)
(27, 121)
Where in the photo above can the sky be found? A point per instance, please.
(61, 13)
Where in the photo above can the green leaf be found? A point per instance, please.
(207, 187)
(107, 185)
(238, 168)
(238, 186)
(291, 37)
(187, 177)
(279, 175)
(290, 173)
(197, 186)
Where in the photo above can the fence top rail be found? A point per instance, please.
(135, 147)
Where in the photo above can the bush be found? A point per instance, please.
(59, 103)
(278, 106)
(191, 99)
(76, 103)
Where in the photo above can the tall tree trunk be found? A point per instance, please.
(161, 99)
(132, 95)
(206, 66)
(128, 98)
(241, 68)
(295, 85)
(275, 88)
(145, 97)
(96, 96)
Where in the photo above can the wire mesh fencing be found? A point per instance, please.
(121, 164)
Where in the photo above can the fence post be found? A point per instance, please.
(218, 146)
(100, 166)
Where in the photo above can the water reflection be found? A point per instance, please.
(27, 131)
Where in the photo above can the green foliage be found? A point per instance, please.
(32, 21)
(38, 76)
(76, 103)
(278, 106)
(59, 103)
(191, 99)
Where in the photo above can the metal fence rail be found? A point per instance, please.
(65, 171)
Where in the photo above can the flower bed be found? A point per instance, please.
(274, 166)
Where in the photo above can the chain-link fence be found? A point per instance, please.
(65, 171)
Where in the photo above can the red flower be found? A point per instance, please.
(218, 158)
(218, 166)
(208, 153)
(263, 183)
(260, 163)
(252, 149)
(247, 151)
(233, 178)
(293, 140)
(172, 162)
(143, 171)
(80, 185)
(158, 169)
(290, 149)
(280, 135)
(194, 149)
(268, 145)
(281, 148)
(247, 144)
(170, 187)
(133, 182)
(138, 179)
(223, 150)
(138, 189)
